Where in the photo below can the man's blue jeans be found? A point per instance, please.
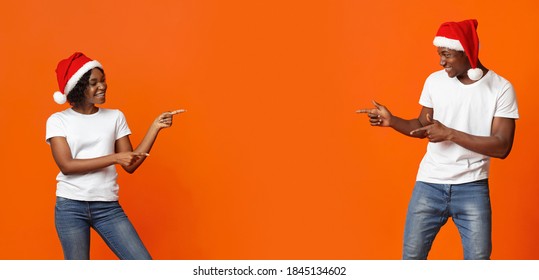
(430, 207)
(74, 219)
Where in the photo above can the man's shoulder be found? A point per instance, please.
(440, 74)
(439, 77)
(496, 76)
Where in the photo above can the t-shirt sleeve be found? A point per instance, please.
(54, 128)
(506, 105)
(122, 129)
(425, 98)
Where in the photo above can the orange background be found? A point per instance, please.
(270, 161)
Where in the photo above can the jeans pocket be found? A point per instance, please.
(62, 202)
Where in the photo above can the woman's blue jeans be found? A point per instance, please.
(74, 219)
(430, 207)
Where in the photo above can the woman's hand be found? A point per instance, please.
(165, 119)
(126, 159)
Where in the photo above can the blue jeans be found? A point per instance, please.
(74, 219)
(430, 207)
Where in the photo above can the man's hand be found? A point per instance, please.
(378, 116)
(435, 131)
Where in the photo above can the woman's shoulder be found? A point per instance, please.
(110, 111)
(60, 114)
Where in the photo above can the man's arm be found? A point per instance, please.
(497, 145)
(381, 116)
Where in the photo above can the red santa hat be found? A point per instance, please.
(69, 71)
(461, 36)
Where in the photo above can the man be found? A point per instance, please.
(468, 116)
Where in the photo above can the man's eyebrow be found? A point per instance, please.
(445, 51)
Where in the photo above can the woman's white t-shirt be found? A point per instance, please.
(89, 136)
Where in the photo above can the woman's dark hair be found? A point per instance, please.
(76, 95)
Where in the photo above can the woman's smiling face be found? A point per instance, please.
(97, 87)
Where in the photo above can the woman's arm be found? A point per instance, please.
(68, 165)
(124, 144)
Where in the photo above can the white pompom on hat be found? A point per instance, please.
(69, 71)
(461, 36)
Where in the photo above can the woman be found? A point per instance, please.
(87, 142)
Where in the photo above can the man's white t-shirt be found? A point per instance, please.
(467, 108)
(89, 136)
